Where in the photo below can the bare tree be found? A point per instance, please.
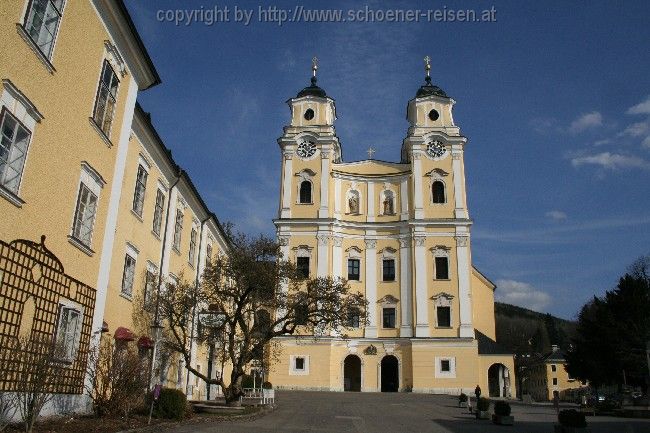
(247, 298)
(37, 365)
(117, 378)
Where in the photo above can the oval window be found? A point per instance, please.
(309, 114)
(433, 115)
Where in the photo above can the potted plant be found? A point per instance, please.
(571, 421)
(483, 408)
(462, 400)
(502, 413)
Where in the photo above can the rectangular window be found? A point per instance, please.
(149, 286)
(84, 215)
(208, 254)
(299, 363)
(302, 314)
(128, 275)
(178, 229)
(68, 332)
(42, 22)
(555, 381)
(192, 253)
(445, 366)
(302, 264)
(14, 140)
(106, 98)
(354, 269)
(389, 270)
(443, 316)
(140, 188)
(353, 319)
(389, 318)
(442, 268)
(158, 212)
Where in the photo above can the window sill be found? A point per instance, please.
(126, 296)
(155, 235)
(135, 214)
(190, 264)
(305, 204)
(32, 45)
(83, 247)
(444, 327)
(176, 250)
(101, 133)
(11, 197)
(388, 281)
(442, 279)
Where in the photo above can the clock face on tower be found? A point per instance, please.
(306, 149)
(436, 149)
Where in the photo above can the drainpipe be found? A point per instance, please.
(156, 321)
(196, 285)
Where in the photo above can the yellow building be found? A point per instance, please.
(399, 232)
(548, 376)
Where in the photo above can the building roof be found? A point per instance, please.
(487, 346)
(312, 90)
(429, 89)
(555, 355)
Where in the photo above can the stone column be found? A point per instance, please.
(322, 269)
(417, 185)
(371, 287)
(323, 211)
(404, 199)
(370, 211)
(406, 290)
(285, 212)
(337, 257)
(421, 301)
(464, 282)
(458, 174)
(337, 197)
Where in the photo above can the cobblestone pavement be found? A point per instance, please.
(398, 412)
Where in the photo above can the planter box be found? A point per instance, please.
(482, 414)
(462, 404)
(503, 420)
(562, 429)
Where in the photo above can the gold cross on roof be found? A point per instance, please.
(371, 151)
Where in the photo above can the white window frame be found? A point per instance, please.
(389, 301)
(178, 230)
(106, 63)
(94, 182)
(137, 206)
(348, 195)
(292, 365)
(59, 11)
(156, 224)
(443, 299)
(304, 251)
(451, 374)
(388, 253)
(305, 175)
(191, 254)
(70, 353)
(438, 175)
(148, 292)
(354, 253)
(385, 194)
(22, 147)
(21, 108)
(441, 251)
(131, 253)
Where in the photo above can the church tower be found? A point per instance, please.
(399, 232)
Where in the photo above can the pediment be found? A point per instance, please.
(388, 299)
(437, 172)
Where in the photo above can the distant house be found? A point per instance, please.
(548, 375)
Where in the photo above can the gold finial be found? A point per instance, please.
(427, 64)
(314, 65)
(371, 151)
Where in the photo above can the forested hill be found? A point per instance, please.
(525, 331)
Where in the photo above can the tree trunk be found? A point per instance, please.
(234, 391)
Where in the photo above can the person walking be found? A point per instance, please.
(477, 392)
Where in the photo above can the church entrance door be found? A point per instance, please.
(389, 374)
(499, 381)
(352, 373)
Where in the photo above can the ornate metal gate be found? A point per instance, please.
(33, 289)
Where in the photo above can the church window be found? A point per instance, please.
(300, 363)
(388, 270)
(354, 269)
(353, 202)
(302, 263)
(353, 318)
(442, 268)
(438, 192)
(433, 115)
(443, 315)
(305, 192)
(553, 368)
(388, 318)
(309, 114)
(445, 365)
(302, 314)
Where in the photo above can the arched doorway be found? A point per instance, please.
(389, 374)
(498, 381)
(352, 373)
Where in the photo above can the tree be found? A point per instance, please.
(613, 331)
(246, 299)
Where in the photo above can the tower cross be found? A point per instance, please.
(314, 65)
(371, 151)
(427, 64)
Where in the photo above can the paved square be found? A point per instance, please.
(398, 412)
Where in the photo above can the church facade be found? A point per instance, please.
(399, 232)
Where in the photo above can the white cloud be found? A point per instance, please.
(611, 161)
(646, 142)
(602, 142)
(543, 125)
(586, 121)
(522, 294)
(556, 215)
(636, 129)
(640, 108)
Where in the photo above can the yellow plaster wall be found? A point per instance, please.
(483, 305)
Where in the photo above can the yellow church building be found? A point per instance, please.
(399, 232)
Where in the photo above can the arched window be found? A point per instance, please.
(305, 191)
(438, 192)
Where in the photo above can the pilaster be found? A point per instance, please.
(464, 289)
(287, 177)
(460, 211)
(406, 289)
(323, 211)
(371, 287)
(421, 301)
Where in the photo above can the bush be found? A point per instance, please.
(572, 418)
(267, 385)
(171, 404)
(462, 398)
(483, 404)
(502, 408)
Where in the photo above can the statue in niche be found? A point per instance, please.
(388, 206)
(353, 204)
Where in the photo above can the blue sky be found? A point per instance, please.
(553, 96)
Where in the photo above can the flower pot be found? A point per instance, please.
(482, 414)
(503, 419)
